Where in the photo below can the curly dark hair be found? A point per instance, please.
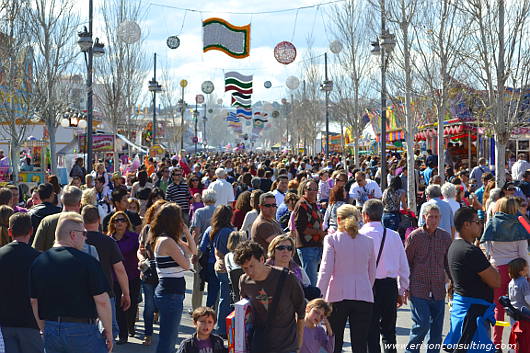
(246, 250)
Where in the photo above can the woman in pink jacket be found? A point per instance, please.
(346, 277)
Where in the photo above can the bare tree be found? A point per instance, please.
(501, 58)
(17, 103)
(122, 70)
(52, 24)
(351, 27)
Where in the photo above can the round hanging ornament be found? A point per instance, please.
(129, 32)
(173, 42)
(275, 114)
(285, 52)
(220, 101)
(267, 84)
(292, 82)
(335, 47)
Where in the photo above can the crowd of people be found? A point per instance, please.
(312, 242)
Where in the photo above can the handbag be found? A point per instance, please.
(259, 340)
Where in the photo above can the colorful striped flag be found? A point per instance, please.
(244, 113)
(218, 34)
(232, 117)
(234, 81)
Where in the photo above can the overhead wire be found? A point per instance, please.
(247, 12)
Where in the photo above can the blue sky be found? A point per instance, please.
(190, 63)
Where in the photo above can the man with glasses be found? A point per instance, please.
(265, 227)
(178, 192)
(364, 189)
(69, 292)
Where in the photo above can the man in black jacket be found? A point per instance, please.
(46, 208)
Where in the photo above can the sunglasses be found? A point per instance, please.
(284, 247)
(311, 189)
(511, 188)
(194, 179)
(267, 205)
(120, 220)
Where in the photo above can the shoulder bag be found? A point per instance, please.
(381, 248)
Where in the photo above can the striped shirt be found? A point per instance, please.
(170, 275)
(180, 194)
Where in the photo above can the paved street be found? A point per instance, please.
(135, 344)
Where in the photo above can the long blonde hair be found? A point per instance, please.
(349, 219)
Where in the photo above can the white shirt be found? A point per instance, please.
(361, 194)
(519, 168)
(453, 203)
(279, 197)
(393, 262)
(224, 192)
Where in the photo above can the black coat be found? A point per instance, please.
(189, 345)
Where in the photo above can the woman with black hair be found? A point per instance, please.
(141, 190)
(393, 197)
(155, 195)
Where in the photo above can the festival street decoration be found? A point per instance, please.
(129, 32)
(244, 113)
(267, 84)
(241, 87)
(173, 42)
(285, 52)
(218, 34)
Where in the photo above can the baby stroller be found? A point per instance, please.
(520, 334)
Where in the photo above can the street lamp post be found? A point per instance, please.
(195, 120)
(154, 87)
(90, 49)
(327, 87)
(383, 47)
(183, 84)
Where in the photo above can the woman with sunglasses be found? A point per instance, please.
(195, 185)
(120, 229)
(281, 252)
(308, 224)
(172, 258)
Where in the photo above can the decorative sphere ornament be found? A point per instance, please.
(207, 87)
(173, 42)
(335, 47)
(183, 83)
(129, 32)
(284, 101)
(82, 124)
(285, 52)
(248, 123)
(292, 82)
(267, 84)
(220, 101)
(275, 114)
(210, 111)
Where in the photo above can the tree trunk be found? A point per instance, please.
(501, 131)
(14, 156)
(500, 161)
(53, 148)
(410, 125)
(440, 133)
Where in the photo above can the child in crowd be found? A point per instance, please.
(203, 340)
(316, 339)
(196, 203)
(324, 186)
(519, 288)
(134, 205)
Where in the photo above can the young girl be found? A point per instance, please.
(196, 203)
(519, 288)
(316, 339)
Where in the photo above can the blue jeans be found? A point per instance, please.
(224, 304)
(69, 337)
(170, 308)
(149, 307)
(213, 286)
(391, 220)
(115, 327)
(310, 259)
(427, 317)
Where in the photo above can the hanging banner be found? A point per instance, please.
(101, 143)
(218, 34)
